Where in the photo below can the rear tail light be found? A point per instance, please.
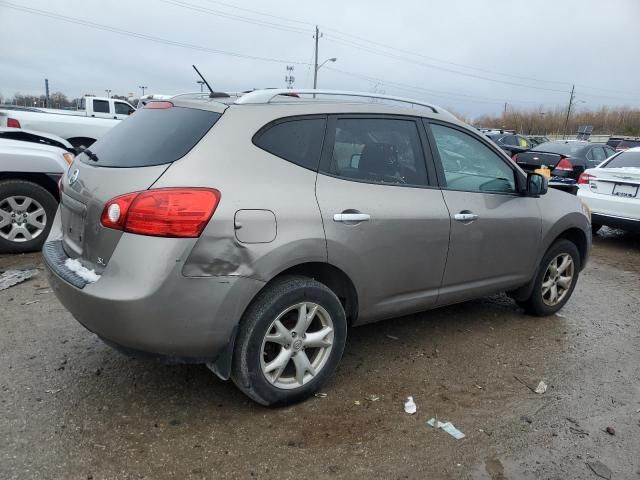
(585, 178)
(13, 123)
(163, 212)
(514, 158)
(564, 165)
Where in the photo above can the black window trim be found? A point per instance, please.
(327, 151)
(520, 179)
(256, 136)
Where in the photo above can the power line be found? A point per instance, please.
(120, 31)
(255, 12)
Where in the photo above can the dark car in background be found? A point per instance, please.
(537, 139)
(626, 144)
(511, 143)
(565, 160)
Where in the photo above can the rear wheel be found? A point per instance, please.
(26, 214)
(290, 341)
(556, 279)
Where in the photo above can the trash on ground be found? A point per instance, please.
(600, 469)
(372, 398)
(357, 402)
(479, 387)
(320, 395)
(53, 390)
(410, 406)
(30, 302)
(392, 337)
(80, 270)
(447, 427)
(541, 388)
(13, 277)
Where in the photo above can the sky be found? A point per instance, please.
(471, 56)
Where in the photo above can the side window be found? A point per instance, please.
(123, 108)
(378, 150)
(469, 164)
(597, 154)
(101, 106)
(509, 140)
(523, 142)
(298, 141)
(608, 151)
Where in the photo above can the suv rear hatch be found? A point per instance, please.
(130, 158)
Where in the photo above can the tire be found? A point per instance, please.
(22, 227)
(255, 357)
(540, 303)
(595, 228)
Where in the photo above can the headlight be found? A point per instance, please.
(586, 210)
(68, 157)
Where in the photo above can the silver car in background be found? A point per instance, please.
(249, 233)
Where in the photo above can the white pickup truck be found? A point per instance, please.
(94, 117)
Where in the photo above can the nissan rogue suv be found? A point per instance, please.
(249, 233)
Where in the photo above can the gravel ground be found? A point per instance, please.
(72, 408)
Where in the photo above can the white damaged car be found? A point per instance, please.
(31, 163)
(612, 191)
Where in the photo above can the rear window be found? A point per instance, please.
(568, 148)
(153, 137)
(298, 141)
(628, 144)
(625, 159)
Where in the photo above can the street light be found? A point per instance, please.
(108, 93)
(315, 75)
(201, 82)
(143, 88)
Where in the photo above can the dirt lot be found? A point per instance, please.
(72, 408)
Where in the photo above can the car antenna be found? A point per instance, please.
(204, 80)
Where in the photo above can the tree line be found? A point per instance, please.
(605, 120)
(56, 100)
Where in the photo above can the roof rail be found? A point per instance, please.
(265, 96)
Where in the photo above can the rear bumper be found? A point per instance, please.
(629, 224)
(610, 210)
(142, 301)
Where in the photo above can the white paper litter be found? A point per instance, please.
(541, 388)
(83, 272)
(410, 406)
(14, 277)
(447, 427)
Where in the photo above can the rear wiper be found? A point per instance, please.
(87, 152)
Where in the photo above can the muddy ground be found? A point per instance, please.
(72, 408)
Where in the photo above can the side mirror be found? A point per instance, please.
(537, 184)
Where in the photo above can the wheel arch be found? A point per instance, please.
(48, 182)
(579, 238)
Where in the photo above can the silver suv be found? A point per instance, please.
(249, 233)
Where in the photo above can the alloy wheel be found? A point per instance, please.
(297, 345)
(21, 219)
(557, 279)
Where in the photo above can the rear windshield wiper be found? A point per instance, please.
(87, 152)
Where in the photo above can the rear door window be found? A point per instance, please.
(378, 150)
(152, 137)
(298, 140)
(101, 106)
(123, 108)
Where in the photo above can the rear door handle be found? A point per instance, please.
(351, 217)
(465, 217)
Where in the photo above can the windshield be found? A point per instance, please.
(563, 148)
(625, 159)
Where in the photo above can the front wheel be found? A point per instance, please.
(556, 279)
(26, 214)
(290, 341)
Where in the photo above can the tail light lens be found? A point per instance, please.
(13, 123)
(565, 165)
(163, 212)
(585, 178)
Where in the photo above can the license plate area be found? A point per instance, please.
(625, 190)
(73, 216)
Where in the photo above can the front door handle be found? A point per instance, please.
(351, 217)
(465, 216)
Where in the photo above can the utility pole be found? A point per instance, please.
(505, 107)
(566, 120)
(315, 64)
(143, 88)
(46, 90)
(201, 83)
(108, 92)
